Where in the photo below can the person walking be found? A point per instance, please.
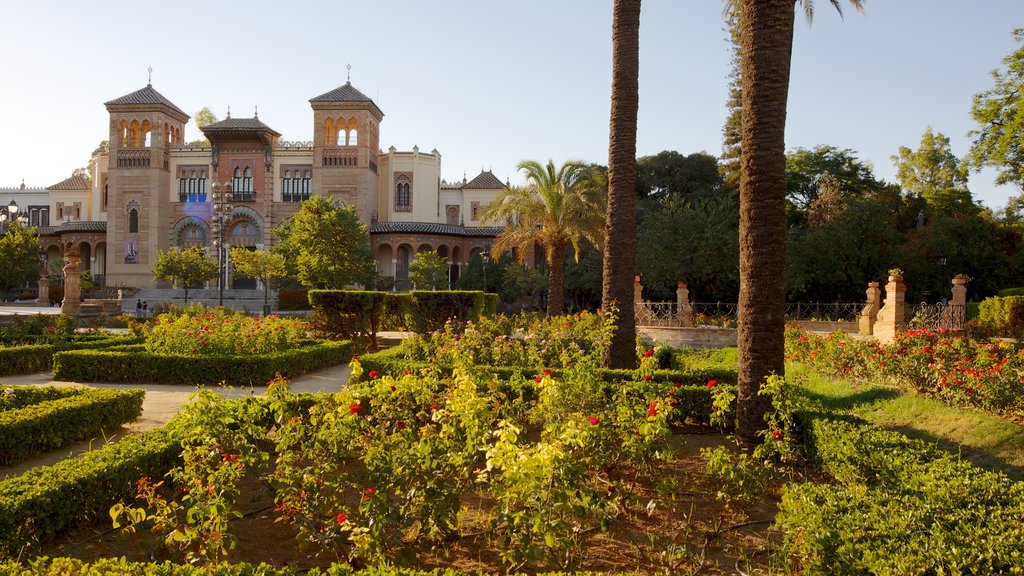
(138, 308)
(145, 309)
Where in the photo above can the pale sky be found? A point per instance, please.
(490, 83)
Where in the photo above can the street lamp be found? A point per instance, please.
(486, 258)
(221, 213)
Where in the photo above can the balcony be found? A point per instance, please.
(243, 196)
(133, 158)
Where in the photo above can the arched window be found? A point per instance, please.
(286, 188)
(306, 180)
(133, 221)
(353, 137)
(236, 180)
(402, 198)
(247, 180)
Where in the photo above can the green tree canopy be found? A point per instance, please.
(184, 266)
(429, 271)
(932, 172)
(203, 118)
(999, 113)
(262, 265)
(327, 245)
(557, 208)
(669, 173)
(19, 256)
(806, 167)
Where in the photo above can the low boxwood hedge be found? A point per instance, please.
(15, 397)
(45, 501)
(899, 506)
(53, 424)
(145, 367)
(39, 357)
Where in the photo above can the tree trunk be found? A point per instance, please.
(620, 219)
(556, 279)
(766, 43)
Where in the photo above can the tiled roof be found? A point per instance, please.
(76, 182)
(345, 93)
(76, 226)
(147, 95)
(432, 228)
(249, 124)
(486, 180)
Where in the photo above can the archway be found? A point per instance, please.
(402, 268)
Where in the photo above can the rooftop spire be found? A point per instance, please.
(256, 111)
(229, 110)
(349, 68)
(149, 81)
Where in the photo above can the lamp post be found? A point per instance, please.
(11, 214)
(221, 212)
(485, 255)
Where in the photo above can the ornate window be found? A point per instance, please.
(133, 220)
(296, 183)
(244, 233)
(452, 215)
(403, 198)
(192, 184)
(475, 211)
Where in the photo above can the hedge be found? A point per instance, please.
(122, 567)
(899, 506)
(45, 501)
(39, 357)
(1004, 315)
(144, 367)
(54, 424)
(15, 397)
(350, 313)
(430, 309)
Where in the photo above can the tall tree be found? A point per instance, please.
(203, 118)
(19, 255)
(732, 130)
(806, 167)
(557, 208)
(932, 172)
(328, 245)
(669, 173)
(766, 46)
(429, 271)
(187, 266)
(620, 217)
(999, 113)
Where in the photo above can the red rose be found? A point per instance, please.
(676, 385)
(434, 407)
(652, 410)
(647, 378)
(368, 493)
(373, 374)
(400, 425)
(648, 353)
(537, 379)
(546, 372)
(777, 434)
(594, 420)
(355, 408)
(341, 518)
(393, 388)
(712, 383)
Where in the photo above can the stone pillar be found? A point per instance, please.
(43, 297)
(891, 317)
(638, 290)
(959, 292)
(639, 312)
(684, 312)
(869, 315)
(72, 304)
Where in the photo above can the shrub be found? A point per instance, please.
(291, 299)
(233, 370)
(1002, 315)
(45, 501)
(14, 397)
(219, 332)
(52, 424)
(901, 507)
(429, 310)
(346, 314)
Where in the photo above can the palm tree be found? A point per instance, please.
(555, 209)
(620, 218)
(766, 46)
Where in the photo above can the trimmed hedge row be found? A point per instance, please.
(900, 506)
(364, 312)
(122, 567)
(57, 423)
(46, 501)
(15, 397)
(144, 367)
(692, 397)
(39, 357)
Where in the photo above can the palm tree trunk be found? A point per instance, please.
(620, 219)
(556, 279)
(766, 43)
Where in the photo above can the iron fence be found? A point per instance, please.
(724, 314)
(937, 316)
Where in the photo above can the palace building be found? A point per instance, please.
(150, 191)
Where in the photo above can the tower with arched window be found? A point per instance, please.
(143, 126)
(346, 141)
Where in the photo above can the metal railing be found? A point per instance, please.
(937, 316)
(724, 314)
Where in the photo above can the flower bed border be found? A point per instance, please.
(53, 424)
(32, 358)
(231, 370)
